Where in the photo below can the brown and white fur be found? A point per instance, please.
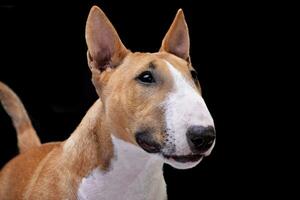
(102, 158)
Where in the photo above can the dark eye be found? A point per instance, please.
(146, 77)
(194, 75)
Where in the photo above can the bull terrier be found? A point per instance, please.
(150, 111)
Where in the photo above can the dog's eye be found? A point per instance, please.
(146, 77)
(194, 75)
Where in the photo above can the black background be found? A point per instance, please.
(43, 59)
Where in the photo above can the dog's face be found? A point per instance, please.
(153, 100)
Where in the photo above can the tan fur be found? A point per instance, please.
(132, 105)
(26, 134)
(54, 170)
(16, 175)
(177, 39)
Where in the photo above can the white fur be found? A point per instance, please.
(134, 175)
(179, 165)
(184, 107)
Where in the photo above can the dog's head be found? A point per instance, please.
(152, 100)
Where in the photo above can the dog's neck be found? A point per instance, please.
(101, 162)
(133, 174)
(90, 145)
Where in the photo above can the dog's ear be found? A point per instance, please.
(177, 40)
(105, 49)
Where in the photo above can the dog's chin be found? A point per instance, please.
(183, 162)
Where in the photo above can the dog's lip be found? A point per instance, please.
(184, 158)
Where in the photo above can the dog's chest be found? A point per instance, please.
(133, 175)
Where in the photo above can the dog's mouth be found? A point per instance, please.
(184, 158)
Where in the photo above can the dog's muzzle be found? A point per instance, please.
(200, 140)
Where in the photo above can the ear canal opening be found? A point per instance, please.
(105, 48)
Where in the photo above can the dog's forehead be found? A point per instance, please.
(139, 61)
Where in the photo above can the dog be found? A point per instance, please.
(150, 111)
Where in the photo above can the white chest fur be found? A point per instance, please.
(134, 175)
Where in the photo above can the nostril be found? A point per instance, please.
(198, 141)
(211, 141)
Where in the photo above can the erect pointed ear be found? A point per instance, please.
(105, 49)
(177, 40)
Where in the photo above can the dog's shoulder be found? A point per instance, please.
(17, 172)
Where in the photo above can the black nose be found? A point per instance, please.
(200, 138)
